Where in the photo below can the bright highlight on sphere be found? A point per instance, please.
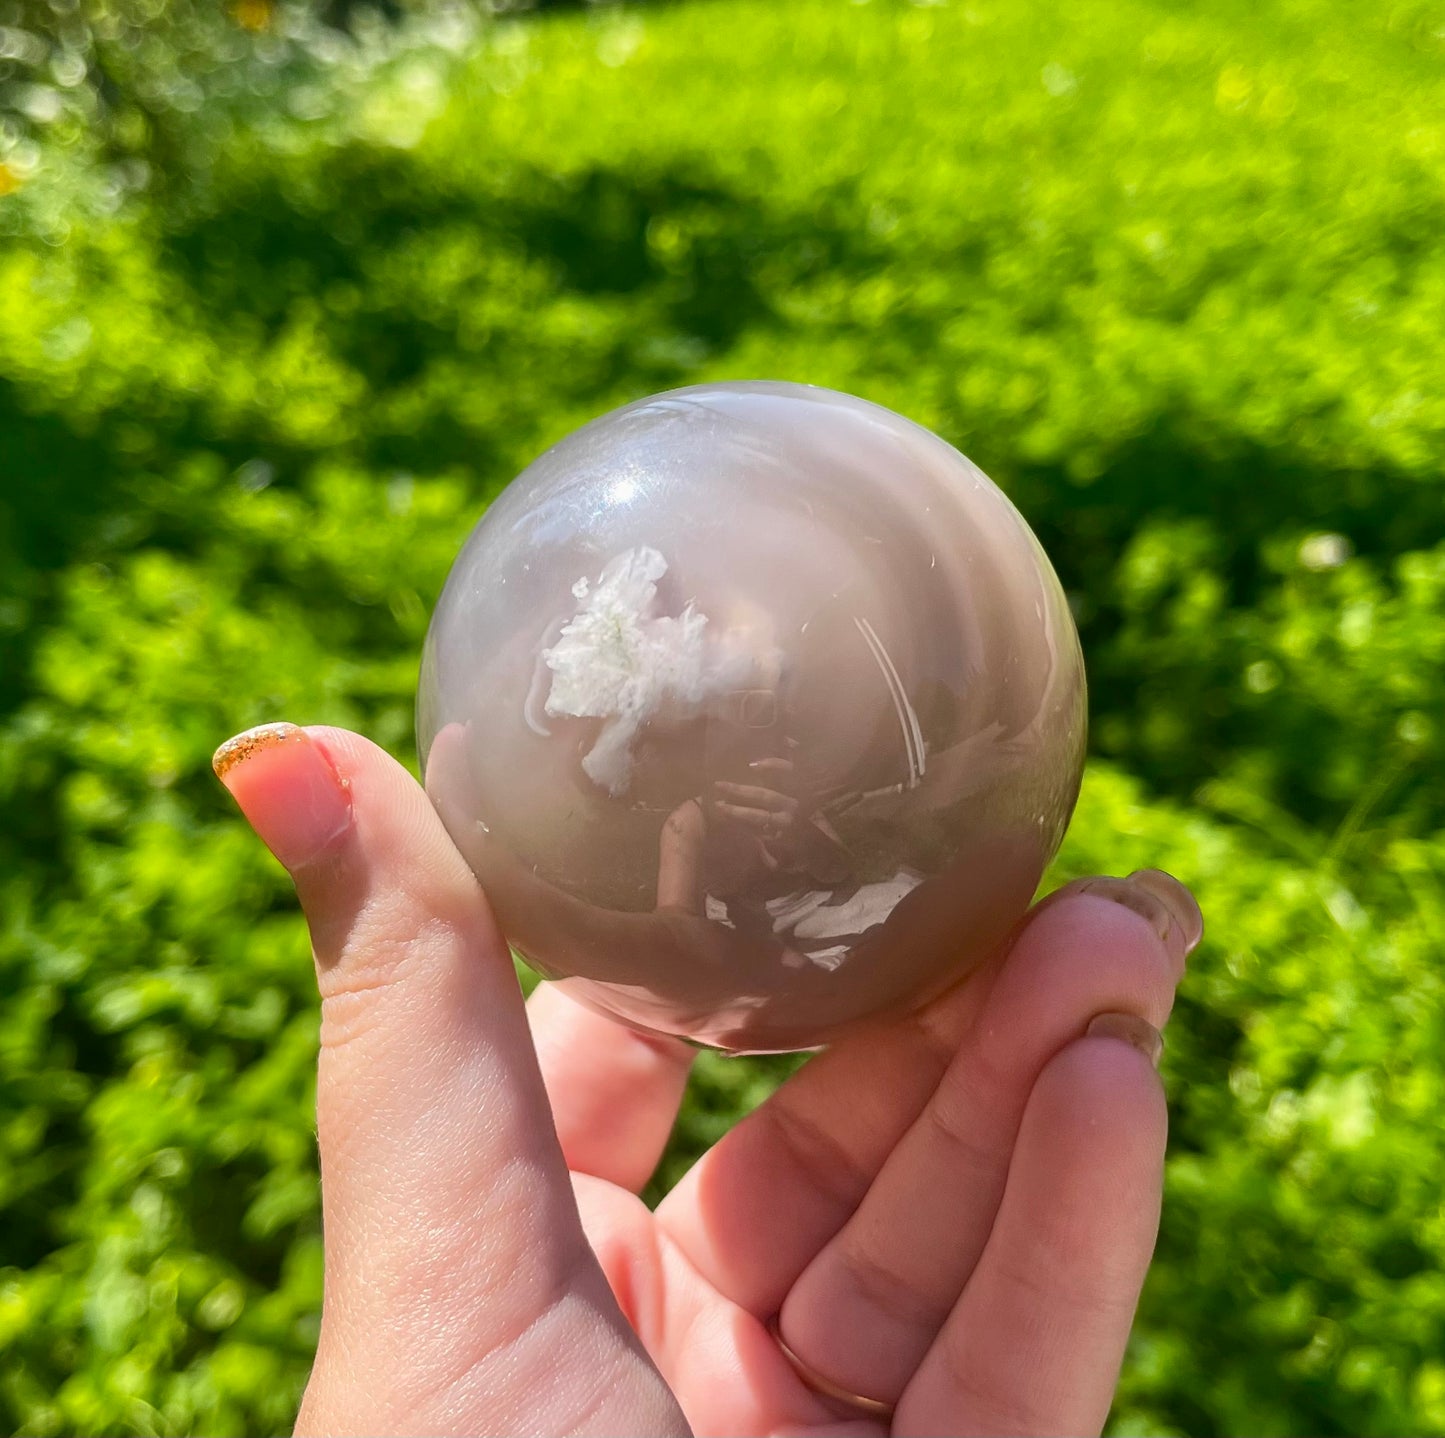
(757, 710)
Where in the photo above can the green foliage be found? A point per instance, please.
(1171, 275)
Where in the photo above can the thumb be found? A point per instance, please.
(456, 1266)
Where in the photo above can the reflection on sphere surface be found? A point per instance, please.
(758, 711)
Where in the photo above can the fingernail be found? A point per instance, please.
(1129, 1029)
(287, 789)
(1177, 899)
(1142, 901)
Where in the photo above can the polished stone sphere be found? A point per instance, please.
(757, 710)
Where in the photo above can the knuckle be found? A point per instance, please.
(990, 1406)
(892, 1295)
(349, 1014)
(824, 1163)
(388, 941)
(967, 1091)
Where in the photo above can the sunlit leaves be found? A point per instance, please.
(1172, 275)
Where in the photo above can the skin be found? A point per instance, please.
(952, 1213)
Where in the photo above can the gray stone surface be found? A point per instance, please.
(758, 711)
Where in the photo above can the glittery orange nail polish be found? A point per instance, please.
(288, 790)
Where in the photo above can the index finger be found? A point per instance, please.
(614, 1091)
(754, 796)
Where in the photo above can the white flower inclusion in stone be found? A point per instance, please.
(619, 660)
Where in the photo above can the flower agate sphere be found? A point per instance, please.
(757, 710)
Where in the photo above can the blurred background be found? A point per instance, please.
(288, 290)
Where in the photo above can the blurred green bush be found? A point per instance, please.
(274, 326)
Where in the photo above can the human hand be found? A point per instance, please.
(759, 814)
(785, 835)
(950, 1213)
(762, 804)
